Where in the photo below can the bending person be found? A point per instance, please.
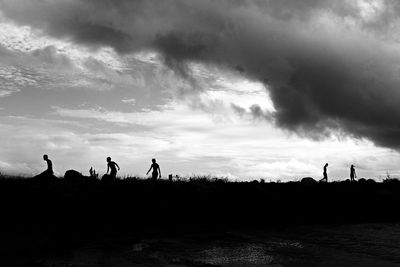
(111, 165)
(49, 170)
(156, 170)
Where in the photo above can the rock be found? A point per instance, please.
(107, 178)
(45, 177)
(308, 181)
(362, 180)
(73, 176)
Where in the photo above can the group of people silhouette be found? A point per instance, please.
(353, 174)
(112, 166)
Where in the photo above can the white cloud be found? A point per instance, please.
(237, 147)
(25, 39)
(131, 101)
(370, 9)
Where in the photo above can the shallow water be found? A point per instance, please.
(343, 245)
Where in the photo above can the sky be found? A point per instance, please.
(239, 89)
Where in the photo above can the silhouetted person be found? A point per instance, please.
(49, 170)
(111, 165)
(325, 173)
(156, 170)
(353, 174)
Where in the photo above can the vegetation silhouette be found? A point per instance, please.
(93, 173)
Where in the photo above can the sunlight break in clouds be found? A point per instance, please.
(256, 89)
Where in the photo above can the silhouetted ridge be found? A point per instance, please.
(200, 202)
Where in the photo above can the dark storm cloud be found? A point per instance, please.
(328, 65)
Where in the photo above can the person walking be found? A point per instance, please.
(156, 170)
(325, 173)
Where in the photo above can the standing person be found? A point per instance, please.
(111, 165)
(156, 170)
(353, 174)
(325, 173)
(49, 170)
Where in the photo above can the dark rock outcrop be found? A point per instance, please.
(308, 181)
(45, 177)
(106, 178)
(74, 176)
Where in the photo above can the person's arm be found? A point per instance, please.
(117, 166)
(151, 166)
(159, 171)
(108, 168)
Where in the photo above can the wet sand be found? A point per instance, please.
(335, 245)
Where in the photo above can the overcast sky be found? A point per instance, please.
(241, 89)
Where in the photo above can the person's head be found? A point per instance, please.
(153, 160)
(352, 165)
(326, 164)
(108, 159)
(45, 157)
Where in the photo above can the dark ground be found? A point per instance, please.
(56, 222)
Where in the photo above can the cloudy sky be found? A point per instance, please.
(242, 89)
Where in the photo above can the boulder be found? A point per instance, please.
(73, 176)
(106, 178)
(45, 177)
(308, 181)
(362, 181)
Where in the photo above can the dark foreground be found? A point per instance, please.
(137, 222)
